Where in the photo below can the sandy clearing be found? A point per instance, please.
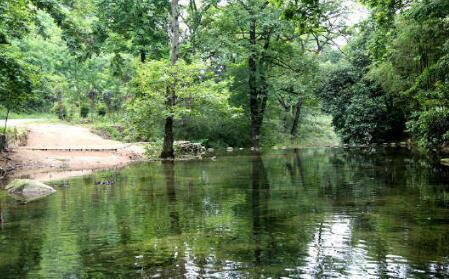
(55, 164)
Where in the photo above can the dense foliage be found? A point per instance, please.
(240, 73)
(397, 77)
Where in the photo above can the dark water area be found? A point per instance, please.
(311, 213)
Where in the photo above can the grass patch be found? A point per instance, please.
(27, 115)
(315, 130)
(110, 131)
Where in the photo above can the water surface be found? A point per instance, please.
(311, 213)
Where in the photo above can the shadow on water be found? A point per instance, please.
(20, 246)
(169, 173)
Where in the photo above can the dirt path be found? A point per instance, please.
(46, 155)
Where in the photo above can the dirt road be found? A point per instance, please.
(57, 150)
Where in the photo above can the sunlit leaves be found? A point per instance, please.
(195, 86)
(140, 24)
(15, 16)
(16, 79)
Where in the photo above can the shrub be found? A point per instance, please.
(110, 131)
(153, 149)
(101, 110)
(362, 112)
(60, 110)
(84, 111)
(431, 127)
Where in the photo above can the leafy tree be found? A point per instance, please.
(16, 80)
(260, 36)
(195, 89)
(294, 84)
(16, 77)
(142, 23)
(363, 111)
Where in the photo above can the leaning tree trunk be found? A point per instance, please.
(168, 150)
(296, 116)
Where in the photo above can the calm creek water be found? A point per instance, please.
(311, 213)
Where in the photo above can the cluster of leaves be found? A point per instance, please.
(200, 97)
(16, 79)
(107, 60)
(363, 112)
(400, 56)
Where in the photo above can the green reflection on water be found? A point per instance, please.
(301, 214)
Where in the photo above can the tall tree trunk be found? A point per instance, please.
(168, 151)
(286, 118)
(61, 109)
(3, 138)
(296, 116)
(6, 121)
(263, 88)
(258, 92)
(252, 80)
(262, 98)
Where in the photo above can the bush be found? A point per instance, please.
(110, 131)
(84, 111)
(215, 131)
(362, 111)
(60, 110)
(101, 110)
(431, 127)
(153, 149)
(14, 137)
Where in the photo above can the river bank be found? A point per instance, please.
(58, 150)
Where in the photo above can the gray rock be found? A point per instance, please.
(28, 190)
(189, 148)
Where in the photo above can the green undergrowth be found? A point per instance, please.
(315, 130)
(27, 115)
(16, 136)
(109, 131)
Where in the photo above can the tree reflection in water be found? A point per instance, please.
(301, 213)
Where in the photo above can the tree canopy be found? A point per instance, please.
(234, 73)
